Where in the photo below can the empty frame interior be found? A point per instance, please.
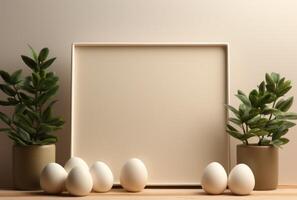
(161, 103)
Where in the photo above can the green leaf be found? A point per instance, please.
(281, 81)
(6, 103)
(12, 101)
(48, 83)
(234, 110)
(279, 102)
(4, 129)
(17, 140)
(253, 112)
(34, 54)
(241, 92)
(268, 111)
(285, 104)
(30, 63)
(287, 125)
(7, 90)
(46, 115)
(43, 54)
(24, 119)
(254, 119)
(247, 136)
(20, 108)
(35, 79)
(47, 128)
(279, 142)
(45, 96)
(15, 77)
(50, 75)
(235, 120)
(49, 140)
(28, 88)
(266, 99)
(284, 91)
(275, 77)
(284, 140)
(262, 88)
(57, 122)
(270, 88)
(47, 63)
(258, 132)
(235, 134)
(24, 126)
(283, 87)
(244, 99)
(261, 123)
(4, 118)
(230, 127)
(32, 115)
(279, 133)
(253, 98)
(244, 112)
(26, 99)
(269, 79)
(288, 115)
(24, 135)
(5, 76)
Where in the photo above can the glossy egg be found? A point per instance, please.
(214, 179)
(52, 178)
(79, 182)
(241, 180)
(102, 177)
(75, 162)
(133, 175)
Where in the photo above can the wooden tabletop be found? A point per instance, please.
(282, 193)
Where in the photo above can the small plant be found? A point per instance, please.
(263, 113)
(31, 121)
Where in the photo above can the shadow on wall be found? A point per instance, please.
(6, 162)
(5, 154)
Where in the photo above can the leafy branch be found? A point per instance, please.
(32, 121)
(263, 113)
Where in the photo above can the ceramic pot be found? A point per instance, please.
(263, 160)
(28, 162)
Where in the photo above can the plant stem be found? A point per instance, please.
(244, 132)
(17, 93)
(272, 107)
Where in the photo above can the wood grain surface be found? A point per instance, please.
(282, 193)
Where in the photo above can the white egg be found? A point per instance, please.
(214, 178)
(102, 177)
(75, 162)
(79, 182)
(241, 180)
(52, 178)
(133, 175)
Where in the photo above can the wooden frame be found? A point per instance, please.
(222, 45)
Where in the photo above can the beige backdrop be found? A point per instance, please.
(262, 36)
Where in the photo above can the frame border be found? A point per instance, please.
(225, 45)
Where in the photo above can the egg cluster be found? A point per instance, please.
(79, 180)
(241, 180)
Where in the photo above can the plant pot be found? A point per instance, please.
(263, 160)
(28, 162)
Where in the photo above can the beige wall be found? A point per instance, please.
(262, 36)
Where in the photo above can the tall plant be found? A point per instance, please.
(32, 120)
(263, 113)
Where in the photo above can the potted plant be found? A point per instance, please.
(261, 123)
(30, 122)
